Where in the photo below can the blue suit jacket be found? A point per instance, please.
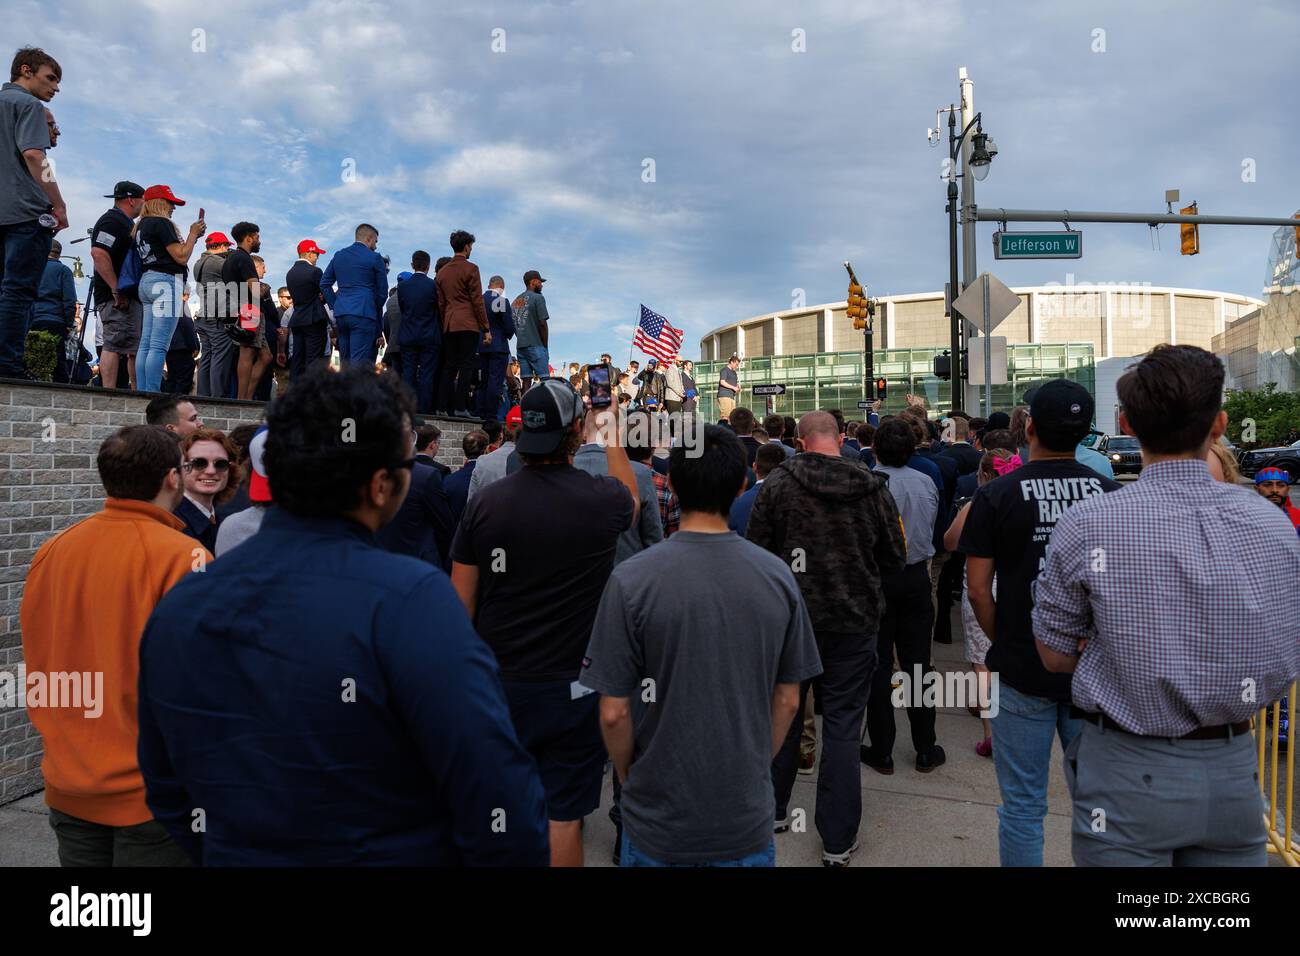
(424, 525)
(417, 297)
(738, 520)
(501, 321)
(56, 299)
(349, 715)
(362, 282)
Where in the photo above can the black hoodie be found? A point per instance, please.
(837, 526)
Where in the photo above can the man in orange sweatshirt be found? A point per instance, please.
(88, 594)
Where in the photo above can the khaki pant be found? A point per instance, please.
(808, 740)
(725, 407)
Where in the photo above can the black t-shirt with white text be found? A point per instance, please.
(543, 540)
(1011, 521)
(112, 233)
(152, 237)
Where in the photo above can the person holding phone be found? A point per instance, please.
(164, 265)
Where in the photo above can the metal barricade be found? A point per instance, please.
(1281, 831)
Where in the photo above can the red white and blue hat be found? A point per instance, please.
(1271, 474)
(259, 489)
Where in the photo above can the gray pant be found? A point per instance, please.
(82, 843)
(217, 357)
(1153, 801)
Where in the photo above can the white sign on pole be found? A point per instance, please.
(1002, 302)
(998, 355)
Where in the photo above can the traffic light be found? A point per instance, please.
(1191, 237)
(882, 386)
(858, 306)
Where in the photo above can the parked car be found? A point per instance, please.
(1123, 452)
(1286, 457)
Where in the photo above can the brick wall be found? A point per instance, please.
(49, 437)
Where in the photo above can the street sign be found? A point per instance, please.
(865, 405)
(998, 359)
(1059, 244)
(1002, 302)
(768, 389)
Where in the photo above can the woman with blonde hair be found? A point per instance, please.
(164, 265)
(1222, 465)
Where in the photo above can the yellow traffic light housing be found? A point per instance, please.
(858, 306)
(1191, 238)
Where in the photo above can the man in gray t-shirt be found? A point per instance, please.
(27, 192)
(714, 665)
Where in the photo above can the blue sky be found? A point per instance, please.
(771, 166)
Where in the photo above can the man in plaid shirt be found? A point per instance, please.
(1173, 604)
(670, 513)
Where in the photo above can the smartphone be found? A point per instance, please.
(602, 394)
(201, 212)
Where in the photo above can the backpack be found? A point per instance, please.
(128, 277)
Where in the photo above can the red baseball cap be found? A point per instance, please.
(218, 239)
(514, 416)
(309, 245)
(162, 192)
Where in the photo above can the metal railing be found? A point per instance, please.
(1281, 831)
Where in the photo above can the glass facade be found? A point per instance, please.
(835, 379)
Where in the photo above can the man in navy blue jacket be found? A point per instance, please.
(348, 713)
(55, 308)
(358, 305)
(420, 334)
(494, 355)
(309, 322)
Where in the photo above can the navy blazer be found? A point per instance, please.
(501, 322)
(185, 336)
(417, 297)
(362, 281)
(197, 524)
(303, 282)
(424, 525)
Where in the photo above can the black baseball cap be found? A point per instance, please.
(532, 274)
(1061, 405)
(126, 190)
(547, 412)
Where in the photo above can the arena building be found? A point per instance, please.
(1088, 332)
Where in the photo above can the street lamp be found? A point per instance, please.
(983, 150)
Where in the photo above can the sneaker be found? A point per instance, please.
(839, 859)
(883, 765)
(931, 759)
(782, 824)
(807, 761)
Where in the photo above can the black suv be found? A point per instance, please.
(1286, 457)
(1123, 452)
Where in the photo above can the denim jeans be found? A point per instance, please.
(1022, 753)
(533, 360)
(160, 294)
(357, 337)
(631, 856)
(26, 247)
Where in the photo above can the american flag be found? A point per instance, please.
(655, 336)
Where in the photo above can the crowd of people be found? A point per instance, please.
(461, 656)
(464, 654)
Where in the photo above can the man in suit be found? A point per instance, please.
(428, 439)
(960, 449)
(420, 333)
(362, 279)
(767, 458)
(493, 350)
(309, 322)
(464, 317)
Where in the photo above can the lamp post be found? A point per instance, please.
(977, 165)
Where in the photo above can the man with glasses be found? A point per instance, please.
(370, 687)
(88, 595)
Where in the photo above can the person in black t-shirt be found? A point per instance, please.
(1007, 533)
(164, 264)
(530, 560)
(243, 317)
(120, 313)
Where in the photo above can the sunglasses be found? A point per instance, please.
(201, 464)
